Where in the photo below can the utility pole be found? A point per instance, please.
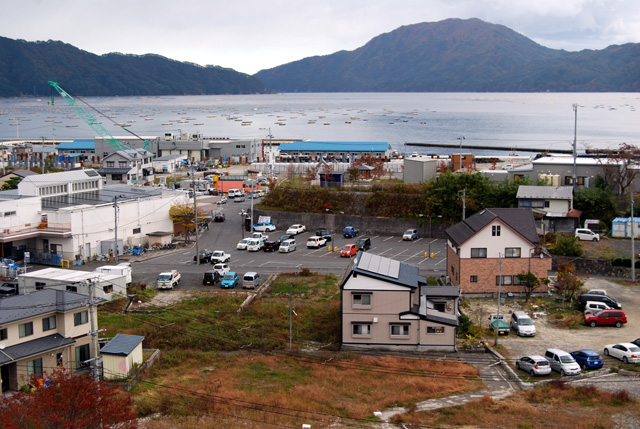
(575, 137)
(290, 317)
(633, 247)
(499, 294)
(115, 209)
(460, 139)
(463, 194)
(94, 333)
(195, 213)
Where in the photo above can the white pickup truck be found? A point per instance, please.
(168, 279)
(220, 256)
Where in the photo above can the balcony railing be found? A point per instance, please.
(30, 229)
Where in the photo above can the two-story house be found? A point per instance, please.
(553, 204)
(387, 305)
(129, 166)
(489, 249)
(41, 331)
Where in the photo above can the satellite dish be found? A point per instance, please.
(2, 346)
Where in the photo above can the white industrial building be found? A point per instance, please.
(106, 286)
(72, 216)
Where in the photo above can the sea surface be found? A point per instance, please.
(545, 121)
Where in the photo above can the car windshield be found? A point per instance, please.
(346, 248)
(408, 232)
(244, 241)
(217, 253)
(567, 359)
(598, 313)
(543, 363)
(526, 322)
(164, 277)
(634, 349)
(228, 277)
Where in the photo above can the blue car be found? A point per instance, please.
(230, 280)
(587, 359)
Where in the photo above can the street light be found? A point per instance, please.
(460, 139)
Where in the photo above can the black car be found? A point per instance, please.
(324, 233)
(210, 277)
(218, 217)
(636, 342)
(582, 301)
(286, 237)
(271, 246)
(205, 256)
(363, 243)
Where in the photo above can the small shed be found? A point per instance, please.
(160, 237)
(121, 354)
(621, 227)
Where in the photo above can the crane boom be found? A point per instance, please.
(89, 119)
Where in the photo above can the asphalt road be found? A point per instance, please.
(225, 236)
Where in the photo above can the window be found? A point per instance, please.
(495, 230)
(122, 163)
(362, 299)
(546, 204)
(517, 281)
(361, 328)
(506, 280)
(525, 203)
(110, 164)
(40, 285)
(35, 367)
(480, 252)
(49, 323)
(72, 288)
(107, 288)
(25, 329)
(3, 334)
(537, 204)
(136, 230)
(81, 318)
(82, 355)
(474, 279)
(512, 252)
(435, 329)
(11, 213)
(400, 330)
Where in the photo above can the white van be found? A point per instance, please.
(562, 362)
(251, 280)
(287, 246)
(232, 193)
(584, 234)
(254, 244)
(523, 324)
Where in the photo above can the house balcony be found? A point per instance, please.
(30, 230)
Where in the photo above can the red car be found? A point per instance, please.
(606, 317)
(349, 250)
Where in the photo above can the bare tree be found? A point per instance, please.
(311, 173)
(620, 167)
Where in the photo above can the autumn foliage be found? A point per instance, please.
(68, 401)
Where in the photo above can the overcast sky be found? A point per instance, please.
(250, 35)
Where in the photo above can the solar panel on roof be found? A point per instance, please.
(91, 173)
(379, 265)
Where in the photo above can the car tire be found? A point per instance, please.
(618, 324)
(532, 373)
(517, 365)
(606, 352)
(562, 373)
(593, 324)
(583, 367)
(625, 360)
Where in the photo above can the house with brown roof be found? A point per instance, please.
(489, 249)
(387, 305)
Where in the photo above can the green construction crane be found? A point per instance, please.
(93, 122)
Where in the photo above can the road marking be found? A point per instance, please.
(389, 238)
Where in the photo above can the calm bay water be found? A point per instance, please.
(511, 120)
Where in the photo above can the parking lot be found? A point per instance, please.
(549, 335)
(225, 236)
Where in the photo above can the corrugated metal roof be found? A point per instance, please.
(121, 345)
(77, 144)
(545, 192)
(335, 147)
(61, 177)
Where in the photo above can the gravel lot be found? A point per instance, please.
(548, 335)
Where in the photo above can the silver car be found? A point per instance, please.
(534, 365)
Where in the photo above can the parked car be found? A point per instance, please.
(221, 269)
(582, 301)
(523, 324)
(606, 318)
(210, 277)
(168, 279)
(636, 342)
(287, 246)
(242, 244)
(350, 232)
(595, 306)
(205, 255)
(534, 365)
(271, 246)
(286, 237)
(296, 229)
(316, 242)
(410, 234)
(255, 244)
(363, 243)
(349, 250)
(239, 199)
(218, 217)
(324, 233)
(587, 359)
(251, 280)
(584, 234)
(220, 256)
(626, 352)
(596, 292)
(259, 236)
(212, 191)
(223, 200)
(500, 325)
(562, 362)
(264, 227)
(230, 280)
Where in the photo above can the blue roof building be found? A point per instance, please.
(85, 147)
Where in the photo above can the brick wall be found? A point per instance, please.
(487, 270)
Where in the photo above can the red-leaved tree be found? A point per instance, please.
(68, 401)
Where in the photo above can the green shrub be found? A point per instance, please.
(567, 245)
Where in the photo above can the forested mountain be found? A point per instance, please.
(459, 55)
(26, 67)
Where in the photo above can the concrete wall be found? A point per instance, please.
(367, 225)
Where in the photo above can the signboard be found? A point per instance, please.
(264, 219)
